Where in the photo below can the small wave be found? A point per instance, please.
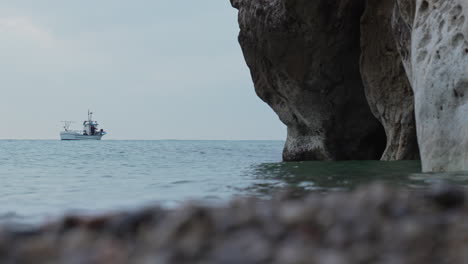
(181, 182)
(10, 216)
(211, 197)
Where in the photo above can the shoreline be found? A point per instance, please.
(372, 224)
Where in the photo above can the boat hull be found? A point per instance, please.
(76, 136)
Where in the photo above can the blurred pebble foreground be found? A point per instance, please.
(372, 224)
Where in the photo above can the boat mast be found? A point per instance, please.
(90, 116)
(90, 125)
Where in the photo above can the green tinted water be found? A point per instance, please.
(304, 177)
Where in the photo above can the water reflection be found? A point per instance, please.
(300, 178)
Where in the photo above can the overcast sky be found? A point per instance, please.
(149, 69)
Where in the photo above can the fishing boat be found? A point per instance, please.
(90, 130)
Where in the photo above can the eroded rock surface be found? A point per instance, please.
(304, 59)
(402, 27)
(439, 65)
(375, 224)
(387, 86)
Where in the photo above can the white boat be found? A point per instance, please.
(90, 130)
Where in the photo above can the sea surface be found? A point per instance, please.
(44, 179)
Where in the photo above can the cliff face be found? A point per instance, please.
(438, 64)
(304, 60)
(388, 90)
(341, 75)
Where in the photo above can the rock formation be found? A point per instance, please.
(304, 60)
(374, 224)
(388, 89)
(326, 66)
(438, 65)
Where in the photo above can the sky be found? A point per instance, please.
(148, 69)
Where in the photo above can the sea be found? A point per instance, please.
(45, 179)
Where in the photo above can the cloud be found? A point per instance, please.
(23, 28)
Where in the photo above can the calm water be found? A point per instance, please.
(43, 179)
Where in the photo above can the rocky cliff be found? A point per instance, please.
(438, 68)
(355, 79)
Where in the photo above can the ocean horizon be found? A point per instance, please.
(43, 179)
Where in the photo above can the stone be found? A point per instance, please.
(362, 226)
(439, 66)
(387, 87)
(304, 61)
(325, 67)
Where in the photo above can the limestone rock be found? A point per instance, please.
(411, 73)
(438, 67)
(402, 26)
(388, 90)
(304, 60)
